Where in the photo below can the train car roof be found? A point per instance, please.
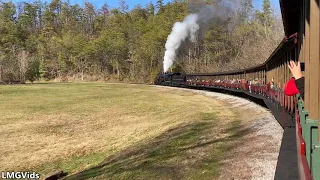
(217, 73)
(290, 10)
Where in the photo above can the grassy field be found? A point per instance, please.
(118, 131)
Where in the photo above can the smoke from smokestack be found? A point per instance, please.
(189, 28)
(180, 31)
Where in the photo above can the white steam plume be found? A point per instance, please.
(191, 24)
(180, 31)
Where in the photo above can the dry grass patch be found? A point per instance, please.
(75, 126)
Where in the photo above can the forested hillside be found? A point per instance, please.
(64, 42)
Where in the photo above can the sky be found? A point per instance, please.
(115, 3)
(132, 3)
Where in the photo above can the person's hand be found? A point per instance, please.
(295, 69)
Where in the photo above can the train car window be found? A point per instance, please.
(302, 66)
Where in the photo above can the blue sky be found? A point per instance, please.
(132, 3)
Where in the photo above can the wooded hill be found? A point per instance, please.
(60, 41)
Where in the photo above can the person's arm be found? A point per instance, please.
(300, 85)
(297, 74)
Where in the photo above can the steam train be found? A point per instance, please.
(173, 79)
(299, 156)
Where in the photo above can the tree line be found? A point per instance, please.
(64, 42)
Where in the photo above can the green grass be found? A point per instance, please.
(114, 131)
(179, 153)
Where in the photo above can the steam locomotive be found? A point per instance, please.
(171, 79)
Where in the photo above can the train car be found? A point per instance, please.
(299, 156)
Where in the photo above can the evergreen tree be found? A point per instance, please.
(33, 72)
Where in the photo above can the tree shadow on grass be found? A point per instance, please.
(186, 152)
